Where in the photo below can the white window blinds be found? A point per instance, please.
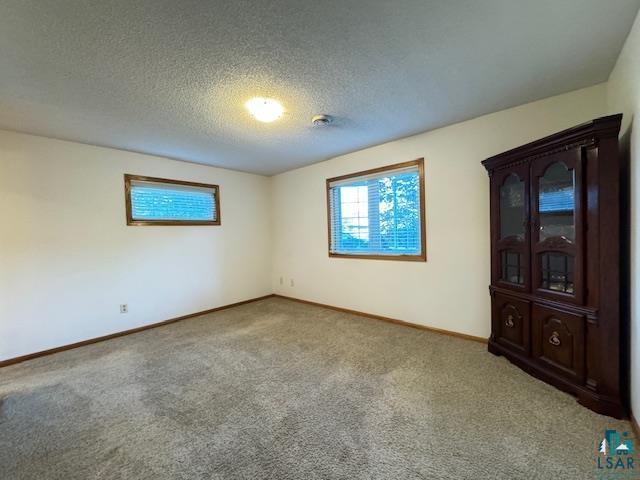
(171, 201)
(377, 213)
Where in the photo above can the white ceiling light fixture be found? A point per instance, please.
(265, 110)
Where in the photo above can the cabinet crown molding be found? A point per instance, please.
(584, 135)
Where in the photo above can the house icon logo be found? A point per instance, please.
(622, 449)
(615, 454)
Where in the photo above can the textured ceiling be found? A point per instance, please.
(170, 77)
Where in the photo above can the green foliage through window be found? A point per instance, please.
(378, 214)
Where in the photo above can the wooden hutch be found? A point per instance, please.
(557, 253)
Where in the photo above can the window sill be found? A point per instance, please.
(145, 223)
(401, 258)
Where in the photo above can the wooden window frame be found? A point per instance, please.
(422, 257)
(129, 211)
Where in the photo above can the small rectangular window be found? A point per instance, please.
(158, 201)
(378, 214)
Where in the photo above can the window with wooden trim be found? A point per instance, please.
(378, 214)
(160, 201)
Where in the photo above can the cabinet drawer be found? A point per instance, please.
(511, 324)
(558, 341)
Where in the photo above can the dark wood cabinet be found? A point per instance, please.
(557, 237)
(558, 341)
(512, 325)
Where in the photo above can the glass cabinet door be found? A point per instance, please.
(512, 213)
(556, 203)
(510, 194)
(556, 226)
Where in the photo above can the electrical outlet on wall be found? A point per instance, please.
(124, 308)
(281, 280)
(292, 283)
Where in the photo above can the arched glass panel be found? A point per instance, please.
(556, 203)
(512, 212)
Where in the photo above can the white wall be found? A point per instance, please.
(68, 259)
(450, 290)
(623, 95)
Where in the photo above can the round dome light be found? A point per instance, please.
(264, 109)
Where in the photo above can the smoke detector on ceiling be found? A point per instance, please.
(321, 120)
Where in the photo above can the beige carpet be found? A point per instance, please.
(280, 390)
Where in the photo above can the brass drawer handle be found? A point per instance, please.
(509, 321)
(554, 339)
